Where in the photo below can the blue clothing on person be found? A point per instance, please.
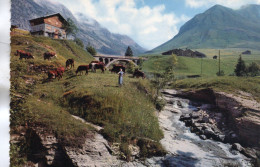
(120, 78)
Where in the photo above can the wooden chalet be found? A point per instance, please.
(49, 26)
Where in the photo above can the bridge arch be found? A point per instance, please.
(115, 60)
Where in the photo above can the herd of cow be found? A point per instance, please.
(93, 65)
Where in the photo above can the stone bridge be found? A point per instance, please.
(110, 59)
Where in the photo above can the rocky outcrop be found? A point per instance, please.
(241, 110)
(94, 152)
(244, 114)
(47, 151)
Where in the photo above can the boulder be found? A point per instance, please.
(195, 115)
(209, 133)
(185, 117)
(221, 138)
(237, 146)
(203, 137)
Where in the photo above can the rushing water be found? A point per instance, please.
(186, 149)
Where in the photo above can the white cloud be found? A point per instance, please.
(235, 4)
(148, 26)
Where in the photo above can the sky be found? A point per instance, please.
(149, 22)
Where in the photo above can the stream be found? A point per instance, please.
(186, 149)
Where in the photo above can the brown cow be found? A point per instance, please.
(25, 55)
(49, 55)
(82, 68)
(99, 65)
(61, 70)
(138, 74)
(54, 74)
(18, 52)
(70, 62)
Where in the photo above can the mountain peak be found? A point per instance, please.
(219, 27)
(217, 8)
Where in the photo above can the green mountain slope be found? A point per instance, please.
(219, 27)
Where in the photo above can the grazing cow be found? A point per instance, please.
(101, 66)
(54, 74)
(70, 62)
(116, 68)
(82, 68)
(97, 65)
(92, 65)
(18, 52)
(215, 57)
(49, 55)
(61, 70)
(138, 74)
(25, 55)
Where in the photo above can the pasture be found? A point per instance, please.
(192, 66)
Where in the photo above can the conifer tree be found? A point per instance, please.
(240, 67)
(129, 51)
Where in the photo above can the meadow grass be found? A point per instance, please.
(230, 84)
(192, 66)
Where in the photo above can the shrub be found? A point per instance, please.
(91, 50)
(159, 104)
(130, 67)
(221, 73)
(79, 42)
(253, 69)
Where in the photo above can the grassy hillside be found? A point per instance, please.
(227, 84)
(124, 113)
(192, 66)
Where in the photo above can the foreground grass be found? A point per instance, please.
(227, 84)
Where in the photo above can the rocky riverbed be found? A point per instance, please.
(186, 148)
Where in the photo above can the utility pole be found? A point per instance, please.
(219, 62)
(201, 66)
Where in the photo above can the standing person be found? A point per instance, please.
(120, 78)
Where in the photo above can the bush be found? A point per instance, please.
(221, 73)
(159, 104)
(91, 50)
(253, 69)
(79, 42)
(130, 67)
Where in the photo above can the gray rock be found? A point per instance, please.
(237, 146)
(195, 115)
(221, 138)
(209, 133)
(95, 150)
(203, 137)
(185, 117)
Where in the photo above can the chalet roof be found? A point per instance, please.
(47, 16)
